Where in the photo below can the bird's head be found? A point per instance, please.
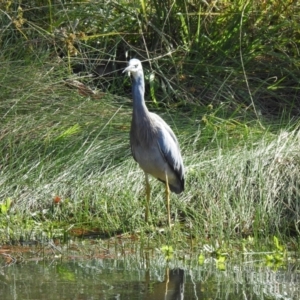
(134, 67)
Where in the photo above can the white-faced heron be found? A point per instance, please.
(153, 143)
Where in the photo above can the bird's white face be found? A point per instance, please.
(134, 66)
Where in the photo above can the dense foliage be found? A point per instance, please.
(238, 51)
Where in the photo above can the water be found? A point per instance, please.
(142, 276)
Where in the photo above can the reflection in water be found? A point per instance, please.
(134, 278)
(172, 288)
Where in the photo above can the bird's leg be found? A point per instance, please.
(147, 197)
(168, 201)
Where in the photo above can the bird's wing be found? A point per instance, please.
(169, 146)
(133, 153)
(131, 146)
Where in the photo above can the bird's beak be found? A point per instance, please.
(128, 69)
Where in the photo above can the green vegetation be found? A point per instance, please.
(224, 75)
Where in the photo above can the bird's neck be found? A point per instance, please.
(138, 92)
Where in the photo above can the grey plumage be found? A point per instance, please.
(153, 143)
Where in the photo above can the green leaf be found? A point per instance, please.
(278, 246)
(168, 251)
(221, 259)
(269, 258)
(221, 266)
(68, 132)
(201, 259)
(4, 207)
(152, 87)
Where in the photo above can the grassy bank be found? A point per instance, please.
(65, 161)
(226, 81)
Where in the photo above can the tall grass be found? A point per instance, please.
(64, 145)
(222, 72)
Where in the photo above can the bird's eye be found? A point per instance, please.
(136, 66)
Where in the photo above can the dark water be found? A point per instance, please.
(130, 278)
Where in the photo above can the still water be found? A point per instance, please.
(141, 276)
